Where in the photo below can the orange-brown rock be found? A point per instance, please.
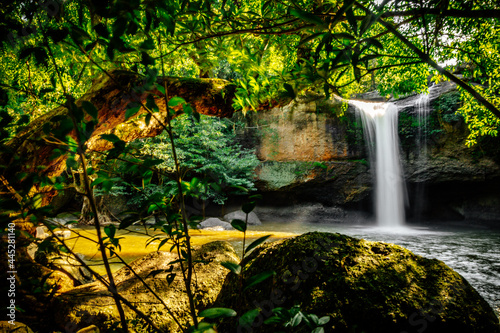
(111, 95)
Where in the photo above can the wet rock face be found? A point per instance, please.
(363, 286)
(313, 153)
(91, 304)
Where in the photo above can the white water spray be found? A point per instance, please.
(380, 122)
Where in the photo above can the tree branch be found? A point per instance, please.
(426, 58)
(487, 13)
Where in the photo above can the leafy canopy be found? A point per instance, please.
(271, 49)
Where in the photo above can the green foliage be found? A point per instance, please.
(206, 149)
(447, 105)
(294, 320)
(271, 49)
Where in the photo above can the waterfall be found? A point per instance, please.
(380, 122)
(422, 107)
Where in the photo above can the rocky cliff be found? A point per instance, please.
(313, 151)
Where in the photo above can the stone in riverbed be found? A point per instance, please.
(363, 286)
(253, 219)
(213, 223)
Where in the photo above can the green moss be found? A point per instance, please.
(373, 286)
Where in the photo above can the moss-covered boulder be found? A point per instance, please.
(363, 286)
(92, 304)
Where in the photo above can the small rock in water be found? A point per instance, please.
(253, 219)
(214, 223)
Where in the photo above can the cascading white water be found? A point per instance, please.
(422, 107)
(380, 122)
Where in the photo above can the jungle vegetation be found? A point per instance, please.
(266, 51)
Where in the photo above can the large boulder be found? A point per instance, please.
(363, 286)
(91, 304)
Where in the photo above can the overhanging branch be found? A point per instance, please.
(491, 13)
(426, 58)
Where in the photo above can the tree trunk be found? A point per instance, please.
(105, 216)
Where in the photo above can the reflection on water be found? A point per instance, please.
(472, 252)
(136, 244)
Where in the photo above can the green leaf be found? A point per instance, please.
(110, 230)
(313, 319)
(160, 88)
(217, 313)
(343, 35)
(146, 59)
(306, 16)
(203, 327)
(99, 181)
(340, 57)
(148, 119)
(247, 207)
(273, 320)
(217, 188)
(71, 163)
(57, 35)
(131, 111)
(247, 319)
(110, 137)
(256, 197)
(323, 320)
(127, 222)
(148, 44)
(170, 278)
(256, 279)
(367, 23)
(233, 267)
(340, 13)
(119, 27)
(290, 92)
(297, 319)
(151, 103)
(90, 109)
(310, 38)
(101, 30)
(194, 182)
(187, 109)
(146, 176)
(239, 225)
(318, 330)
(256, 243)
(352, 20)
(174, 101)
(375, 42)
